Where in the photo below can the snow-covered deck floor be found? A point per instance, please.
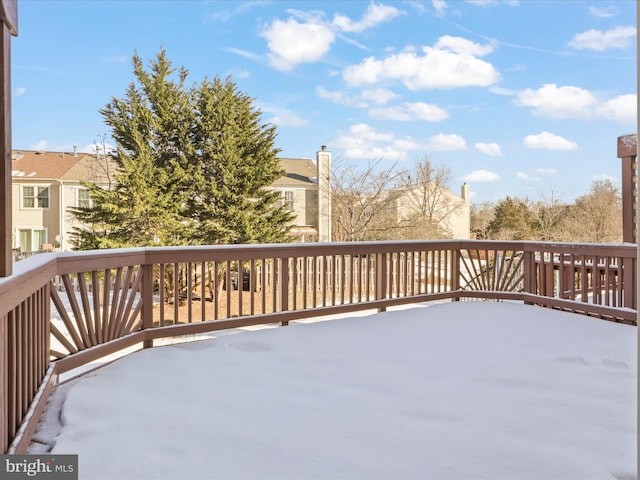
(468, 390)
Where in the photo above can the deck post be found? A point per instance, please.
(9, 16)
(4, 385)
(627, 152)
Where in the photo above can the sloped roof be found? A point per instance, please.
(29, 164)
(300, 172)
(42, 165)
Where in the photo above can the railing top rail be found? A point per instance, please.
(89, 260)
(611, 249)
(375, 245)
(28, 276)
(34, 272)
(72, 262)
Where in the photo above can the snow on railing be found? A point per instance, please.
(61, 311)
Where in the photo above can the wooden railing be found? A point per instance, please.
(61, 311)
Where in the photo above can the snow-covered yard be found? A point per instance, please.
(468, 390)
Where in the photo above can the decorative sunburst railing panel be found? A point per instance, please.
(492, 270)
(92, 308)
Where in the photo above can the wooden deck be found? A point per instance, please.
(59, 311)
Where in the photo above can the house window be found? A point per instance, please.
(32, 239)
(84, 199)
(35, 197)
(368, 212)
(286, 200)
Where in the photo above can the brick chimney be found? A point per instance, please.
(323, 165)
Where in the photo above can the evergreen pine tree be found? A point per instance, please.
(512, 220)
(194, 167)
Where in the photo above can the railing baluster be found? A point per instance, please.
(106, 290)
(189, 282)
(176, 293)
(86, 320)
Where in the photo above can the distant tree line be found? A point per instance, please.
(595, 217)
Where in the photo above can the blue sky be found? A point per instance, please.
(516, 97)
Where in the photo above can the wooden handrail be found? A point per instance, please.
(109, 300)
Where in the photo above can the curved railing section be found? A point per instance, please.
(61, 311)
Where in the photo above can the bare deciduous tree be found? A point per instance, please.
(360, 201)
(550, 218)
(481, 216)
(597, 216)
(425, 200)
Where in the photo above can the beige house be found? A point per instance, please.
(47, 184)
(305, 190)
(448, 213)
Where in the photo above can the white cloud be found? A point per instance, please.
(462, 46)
(527, 177)
(99, 147)
(417, 5)
(376, 13)
(623, 109)
(548, 141)
(410, 111)
(439, 6)
(241, 73)
(242, 53)
(40, 145)
(237, 9)
(363, 141)
(491, 149)
(45, 145)
(443, 142)
(291, 43)
(283, 117)
(339, 97)
(19, 91)
(482, 176)
(407, 144)
(559, 102)
(619, 37)
(546, 171)
(368, 133)
(452, 63)
(604, 176)
(604, 11)
(575, 102)
(502, 91)
(381, 96)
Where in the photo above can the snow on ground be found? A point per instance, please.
(467, 390)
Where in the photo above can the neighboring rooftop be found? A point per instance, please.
(33, 164)
(301, 172)
(43, 165)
